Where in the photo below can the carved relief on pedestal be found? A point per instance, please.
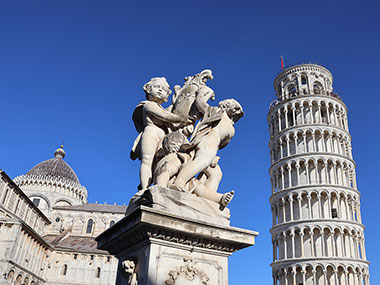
(129, 269)
(189, 271)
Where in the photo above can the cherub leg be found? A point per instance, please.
(171, 168)
(203, 158)
(214, 174)
(223, 199)
(148, 146)
(146, 171)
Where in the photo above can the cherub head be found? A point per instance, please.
(233, 109)
(157, 90)
(173, 142)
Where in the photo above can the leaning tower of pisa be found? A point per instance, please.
(317, 233)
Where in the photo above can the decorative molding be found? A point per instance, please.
(50, 181)
(189, 270)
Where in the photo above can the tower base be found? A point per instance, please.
(166, 238)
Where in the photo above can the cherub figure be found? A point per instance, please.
(153, 122)
(214, 132)
(207, 182)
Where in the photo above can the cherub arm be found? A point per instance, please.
(163, 115)
(203, 95)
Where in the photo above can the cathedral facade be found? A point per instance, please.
(48, 229)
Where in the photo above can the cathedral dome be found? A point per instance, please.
(56, 168)
(54, 181)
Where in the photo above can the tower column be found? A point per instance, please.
(329, 169)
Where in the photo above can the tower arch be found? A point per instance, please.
(317, 234)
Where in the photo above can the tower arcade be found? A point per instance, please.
(317, 233)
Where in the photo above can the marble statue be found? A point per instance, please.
(152, 121)
(175, 152)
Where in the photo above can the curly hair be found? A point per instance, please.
(232, 107)
(147, 86)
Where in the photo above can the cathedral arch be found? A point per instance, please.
(62, 202)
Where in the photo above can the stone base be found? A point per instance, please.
(168, 236)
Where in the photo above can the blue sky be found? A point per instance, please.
(73, 71)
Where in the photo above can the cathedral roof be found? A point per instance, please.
(75, 243)
(55, 168)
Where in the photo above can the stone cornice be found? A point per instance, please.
(150, 224)
(12, 184)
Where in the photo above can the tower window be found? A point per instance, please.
(334, 213)
(89, 226)
(36, 201)
(97, 272)
(75, 256)
(303, 79)
(112, 223)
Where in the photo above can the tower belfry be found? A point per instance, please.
(317, 233)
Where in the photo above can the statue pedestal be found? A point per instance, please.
(169, 237)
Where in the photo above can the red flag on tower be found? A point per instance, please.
(282, 62)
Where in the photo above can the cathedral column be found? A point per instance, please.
(302, 245)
